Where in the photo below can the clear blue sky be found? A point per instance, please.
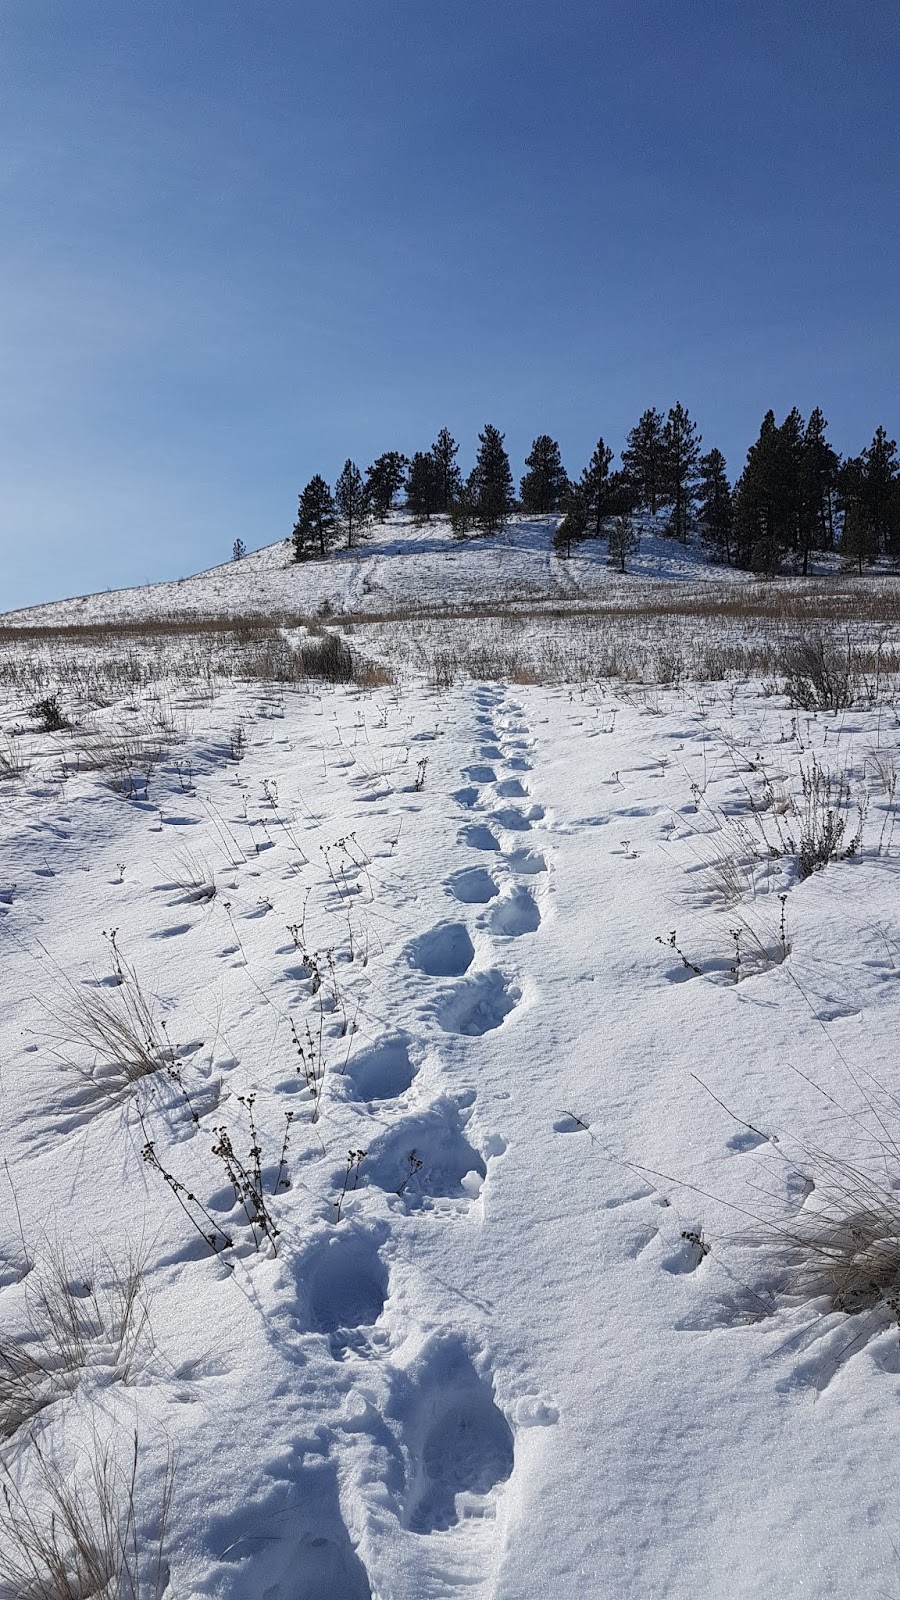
(244, 239)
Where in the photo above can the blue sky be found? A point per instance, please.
(244, 239)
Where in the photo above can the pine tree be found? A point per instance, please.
(491, 483)
(594, 485)
(791, 480)
(463, 510)
(760, 521)
(545, 483)
(715, 509)
(315, 525)
(819, 472)
(238, 550)
(643, 460)
(447, 473)
(858, 542)
(384, 480)
(680, 457)
(623, 542)
(422, 486)
(352, 504)
(575, 521)
(881, 492)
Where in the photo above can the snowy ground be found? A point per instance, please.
(400, 562)
(539, 1334)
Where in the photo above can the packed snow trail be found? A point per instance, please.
(507, 1343)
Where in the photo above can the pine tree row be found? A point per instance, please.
(794, 497)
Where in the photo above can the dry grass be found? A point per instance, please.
(118, 1024)
(845, 1247)
(78, 1315)
(73, 1537)
(13, 761)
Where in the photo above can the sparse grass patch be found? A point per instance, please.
(84, 1535)
(78, 1314)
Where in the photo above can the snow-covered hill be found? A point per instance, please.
(400, 565)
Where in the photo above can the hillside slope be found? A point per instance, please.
(400, 565)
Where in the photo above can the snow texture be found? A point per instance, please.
(515, 1335)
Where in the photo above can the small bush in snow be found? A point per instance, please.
(48, 714)
(820, 675)
(329, 659)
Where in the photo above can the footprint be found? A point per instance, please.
(742, 1142)
(530, 861)
(491, 752)
(467, 798)
(343, 1285)
(570, 1124)
(478, 1005)
(435, 1140)
(382, 1071)
(474, 886)
(511, 789)
(513, 820)
(173, 933)
(479, 774)
(445, 952)
(515, 914)
(479, 837)
(295, 1546)
(691, 1250)
(457, 1440)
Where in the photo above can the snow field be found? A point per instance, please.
(495, 950)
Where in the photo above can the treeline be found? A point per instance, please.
(795, 498)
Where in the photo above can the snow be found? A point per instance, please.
(541, 1337)
(399, 563)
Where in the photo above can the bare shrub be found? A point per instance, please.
(823, 812)
(82, 1534)
(48, 715)
(820, 676)
(330, 659)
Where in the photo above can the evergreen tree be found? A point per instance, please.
(238, 550)
(384, 480)
(576, 520)
(447, 473)
(622, 497)
(819, 473)
(790, 487)
(643, 460)
(422, 486)
(463, 510)
(881, 492)
(491, 483)
(858, 543)
(623, 541)
(760, 520)
(315, 525)
(352, 504)
(715, 508)
(594, 485)
(680, 457)
(545, 483)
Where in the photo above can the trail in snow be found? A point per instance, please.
(510, 1341)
